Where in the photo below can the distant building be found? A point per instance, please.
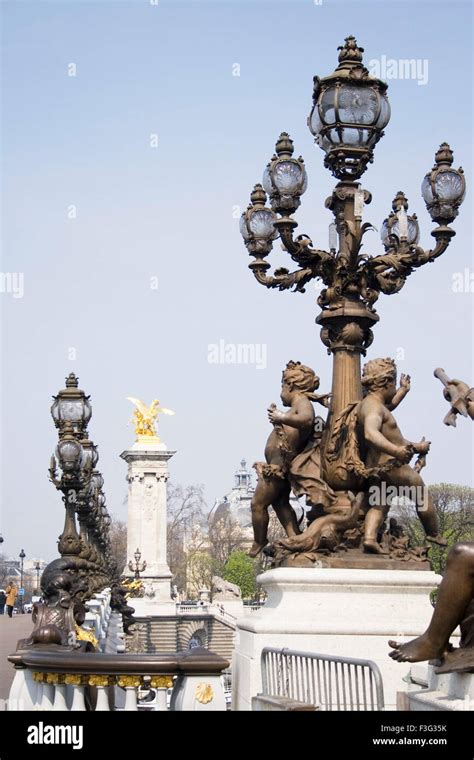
(237, 501)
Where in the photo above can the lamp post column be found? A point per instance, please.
(22, 557)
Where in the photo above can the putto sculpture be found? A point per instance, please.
(360, 451)
(366, 442)
(386, 452)
(292, 456)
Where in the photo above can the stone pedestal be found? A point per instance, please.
(445, 692)
(147, 521)
(348, 612)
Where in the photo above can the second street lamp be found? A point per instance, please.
(37, 568)
(139, 567)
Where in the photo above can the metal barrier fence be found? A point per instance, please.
(332, 683)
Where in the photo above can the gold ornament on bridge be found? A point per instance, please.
(161, 682)
(204, 693)
(145, 417)
(83, 635)
(101, 680)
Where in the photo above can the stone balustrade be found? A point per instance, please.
(54, 677)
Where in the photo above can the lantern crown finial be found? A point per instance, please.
(72, 381)
(350, 51)
(444, 155)
(400, 201)
(258, 195)
(284, 145)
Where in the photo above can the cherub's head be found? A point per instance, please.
(380, 375)
(297, 378)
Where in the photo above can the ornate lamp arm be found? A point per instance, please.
(443, 236)
(400, 232)
(300, 249)
(282, 278)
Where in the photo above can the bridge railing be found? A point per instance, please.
(207, 608)
(55, 679)
(324, 681)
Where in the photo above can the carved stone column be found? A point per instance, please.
(147, 516)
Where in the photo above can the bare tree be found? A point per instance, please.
(118, 542)
(201, 568)
(225, 536)
(186, 516)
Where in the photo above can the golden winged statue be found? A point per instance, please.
(145, 417)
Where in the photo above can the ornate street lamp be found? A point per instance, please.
(138, 567)
(86, 563)
(350, 111)
(37, 568)
(22, 558)
(72, 406)
(90, 455)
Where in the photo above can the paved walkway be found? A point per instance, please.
(11, 629)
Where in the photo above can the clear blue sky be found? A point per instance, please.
(168, 212)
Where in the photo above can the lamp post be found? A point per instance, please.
(37, 568)
(81, 484)
(86, 564)
(350, 111)
(22, 557)
(139, 567)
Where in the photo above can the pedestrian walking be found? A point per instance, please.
(12, 593)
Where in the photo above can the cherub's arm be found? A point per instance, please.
(373, 434)
(324, 399)
(300, 415)
(401, 392)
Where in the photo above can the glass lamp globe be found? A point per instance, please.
(71, 405)
(350, 111)
(444, 188)
(285, 178)
(257, 224)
